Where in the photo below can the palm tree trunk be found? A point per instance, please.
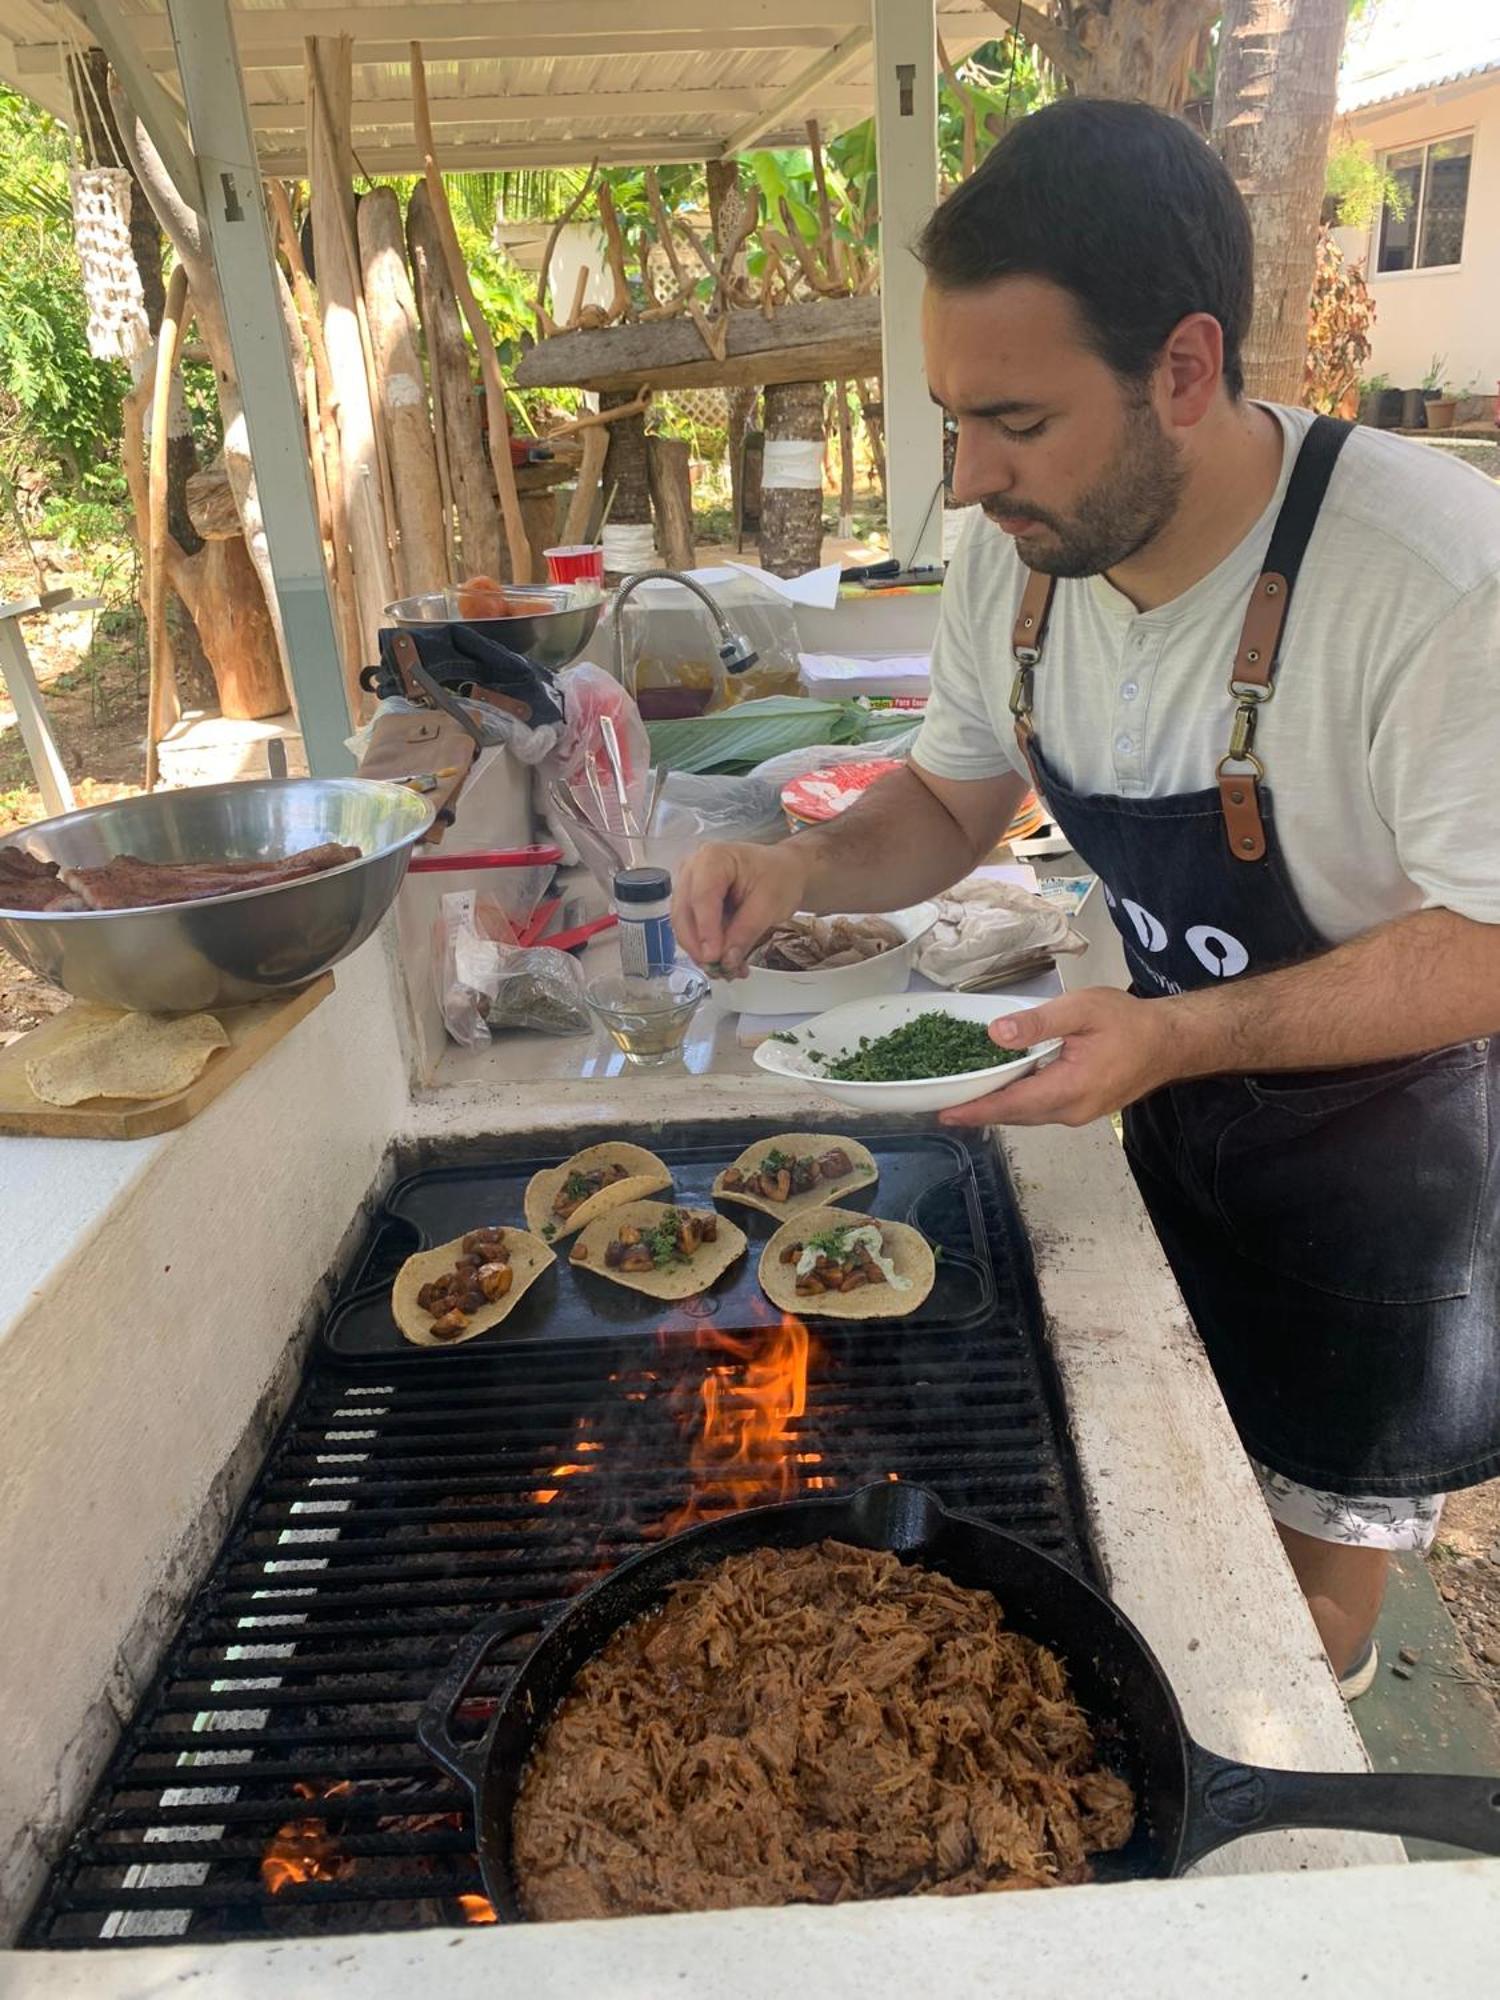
(1273, 108)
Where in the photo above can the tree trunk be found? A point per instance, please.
(1273, 110)
(475, 500)
(741, 415)
(873, 411)
(1118, 48)
(791, 514)
(392, 311)
(627, 472)
(229, 610)
(331, 179)
(846, 461)
(672, 500)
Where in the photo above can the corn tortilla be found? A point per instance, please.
(908, 1250)
(674, 1281)
(139, 1056)
(799, 1145)
(529, 1257)
(646, 1174)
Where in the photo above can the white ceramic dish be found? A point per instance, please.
(839, 1032)
(764, 992)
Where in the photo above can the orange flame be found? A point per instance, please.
(304, 1850)
(741, 1454)
(545, 1495)
(478, 1910)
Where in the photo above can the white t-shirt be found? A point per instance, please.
(1382, 745)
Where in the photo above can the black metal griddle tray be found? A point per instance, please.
(939, 1185)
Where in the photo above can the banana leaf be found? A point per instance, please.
(735, 740)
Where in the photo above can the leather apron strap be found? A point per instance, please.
(1253, 674)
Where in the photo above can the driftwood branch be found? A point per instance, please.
(484, 340)
(544, 322)
(614, 244)
(162, 706)
(715, 334)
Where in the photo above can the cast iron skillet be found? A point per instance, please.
(1189, 1800)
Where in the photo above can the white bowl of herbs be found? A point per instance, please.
(910, 1052)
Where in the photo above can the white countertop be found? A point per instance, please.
(1424, 1933)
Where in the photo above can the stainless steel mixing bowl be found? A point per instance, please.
(548, 639)
(226, 949)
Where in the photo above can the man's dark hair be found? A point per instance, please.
(1122, 206)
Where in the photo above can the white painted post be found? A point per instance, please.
(31, 711)
(213, 90)
(906, 151)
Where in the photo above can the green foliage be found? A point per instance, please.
(59, 404)
(1361, 186)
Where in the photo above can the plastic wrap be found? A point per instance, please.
(487, 982)
(671, 645)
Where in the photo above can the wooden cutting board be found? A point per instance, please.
(251, 1030)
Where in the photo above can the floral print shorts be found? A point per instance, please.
(1366, 1521)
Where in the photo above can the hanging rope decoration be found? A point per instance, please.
(118, 329)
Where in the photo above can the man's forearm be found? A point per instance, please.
(898, 845)
(1416, 984)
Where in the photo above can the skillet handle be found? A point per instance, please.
(468, 1761)
(1227, 1800)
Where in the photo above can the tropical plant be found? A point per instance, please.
(60, 407)
(1360, 187)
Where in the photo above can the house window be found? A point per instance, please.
(1435, 182)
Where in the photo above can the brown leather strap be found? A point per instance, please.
(1260, 635)
(1239, 801)
(1031, 619)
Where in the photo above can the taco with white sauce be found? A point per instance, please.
(838, 1264)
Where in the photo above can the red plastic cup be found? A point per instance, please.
(577, 562)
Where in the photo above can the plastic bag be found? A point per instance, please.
(670, 647)
(588, 693)
(486, 981)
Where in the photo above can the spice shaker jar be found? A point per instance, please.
(643, 903)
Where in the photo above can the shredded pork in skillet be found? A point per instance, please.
(815, 1725)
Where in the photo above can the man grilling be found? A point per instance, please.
(1253, 662)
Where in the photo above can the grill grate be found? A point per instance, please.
(271, 1783)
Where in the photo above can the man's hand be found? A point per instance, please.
(1115, 1049)
(729, 896)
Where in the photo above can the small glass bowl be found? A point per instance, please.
(647, 1019)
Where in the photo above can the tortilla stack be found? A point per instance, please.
(528, 1256)
(138, 1056)
(909, 1251)
(644, 1174)
(801, 1145)
(668, 1281)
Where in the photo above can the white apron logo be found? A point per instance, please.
(1218, 952)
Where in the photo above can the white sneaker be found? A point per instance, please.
(1361, 1676)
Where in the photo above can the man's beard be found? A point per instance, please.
(1134, 499)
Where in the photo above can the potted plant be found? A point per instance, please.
(1379, 403)
(1414, 402)
(1442, 408)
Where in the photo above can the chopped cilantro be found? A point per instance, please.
(775, 1160)
(930, 1045)
(781, 1035)
(577, 1186)
(549, 1230)
(832, 1244)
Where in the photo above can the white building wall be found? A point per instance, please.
(1453, 312)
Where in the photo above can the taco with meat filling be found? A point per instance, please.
(448, 1295)
(560, 1200)
(838, 1264)
(795, 1171)
(667, 1250)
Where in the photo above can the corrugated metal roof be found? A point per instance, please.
(530, 82)
(1413, 46)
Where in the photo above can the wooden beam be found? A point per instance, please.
(161, 117)
(794, 95)
(244, 262)
(288, 163)
(636, 106)
(272, 37)
(821, 340)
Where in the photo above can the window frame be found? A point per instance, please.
(1469, 132)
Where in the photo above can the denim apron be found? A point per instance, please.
(1331, 1231)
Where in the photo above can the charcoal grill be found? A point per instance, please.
(271, 1783)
